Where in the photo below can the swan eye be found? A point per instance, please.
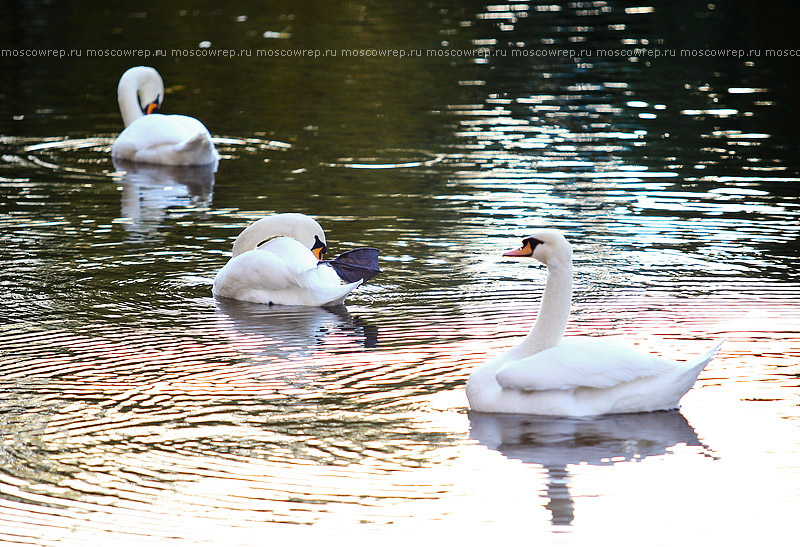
(533, 242)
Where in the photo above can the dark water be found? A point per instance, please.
(136, 408)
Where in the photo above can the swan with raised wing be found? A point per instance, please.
(574, 377)
(149, 137)
(278, 260)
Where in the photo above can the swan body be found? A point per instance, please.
(578, 376)
(277, 260)
(157, 138)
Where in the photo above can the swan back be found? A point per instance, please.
(138, 88)
(298, 226)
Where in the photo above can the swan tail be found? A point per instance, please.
(699, 363)
(197, 150)
(197, 142)
(344, 290)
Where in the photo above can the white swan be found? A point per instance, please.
(278, 260)
(157, 138)
(575, 377)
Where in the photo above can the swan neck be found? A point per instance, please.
(296, 226)
(551, 322)
(128, 102)
(253, 235)
(139, 85)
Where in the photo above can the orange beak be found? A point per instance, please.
(525, 250)
(150, 108)
(319, 248)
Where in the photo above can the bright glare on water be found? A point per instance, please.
(136, 408)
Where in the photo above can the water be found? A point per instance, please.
(137, 408)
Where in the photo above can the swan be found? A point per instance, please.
(278, 260)
(574, 377)
(157, 138)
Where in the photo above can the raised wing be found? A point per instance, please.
(593, 363)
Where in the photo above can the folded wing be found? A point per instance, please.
(594, 363)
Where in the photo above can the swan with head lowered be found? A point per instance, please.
(157, 138)
(278, 260)
(574, 377)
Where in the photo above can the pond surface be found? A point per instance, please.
(136, 408)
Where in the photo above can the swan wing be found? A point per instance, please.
(594, 363)
(292, 254)
(253, 270)
(281, 263)
(281, 271)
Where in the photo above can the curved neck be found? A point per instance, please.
(129, 103)
(554, 310)
(253, 235)
(138, 80)
(293, 225)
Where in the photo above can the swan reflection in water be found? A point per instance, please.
(556, 443)
(149, 191)
(295, 330)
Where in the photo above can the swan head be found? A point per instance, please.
(548, 246)
(298, 226)
(140, 92)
